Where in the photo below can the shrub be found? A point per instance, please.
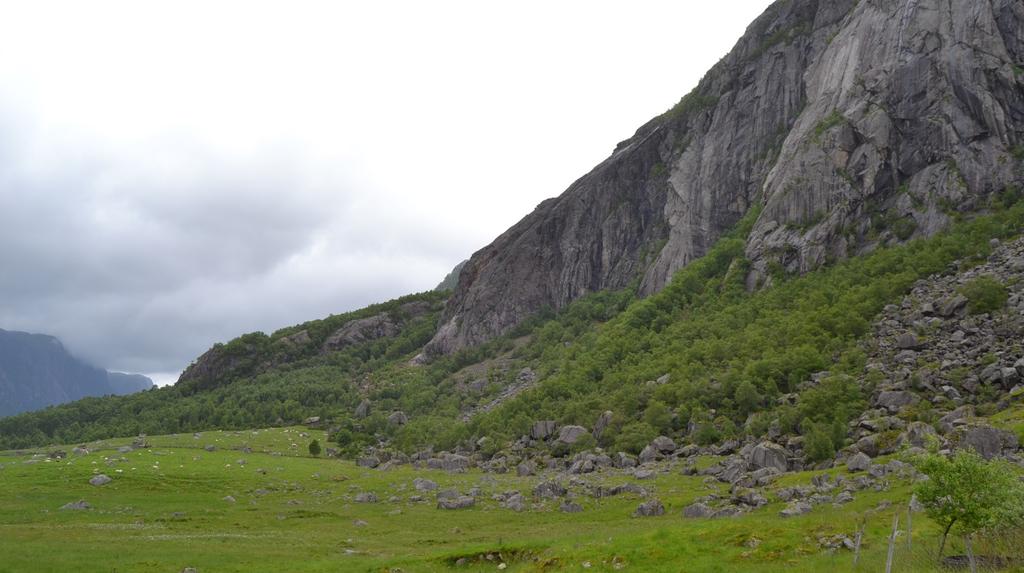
(984, 294)
(314, 448)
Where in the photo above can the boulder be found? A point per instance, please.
(79, 505)
(543, 430)
(366, 497)
(858, 462)
(422, 484)
(571, 434)
(648, 455)
(549, 490)
(602, 423)
(398, 418)
(917, 434)
(100, 480)
(516, 502)
(460, 502)
(650, 508)
(989, 442)
(526, 469)
(907, 341)
(796, 508)
(570, 507)
(697, 510)
(663, 444)
(896, 400)
(624, 460)
(952, 306)
(768, 455)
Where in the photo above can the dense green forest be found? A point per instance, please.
(728, 354)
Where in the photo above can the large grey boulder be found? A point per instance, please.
(423, 484)
(697, 510)
(768, 455)
(663, 444)
(543, 430)
(896, 400)
(571, 434)
(549, 490)
(989, 442)
(100, 480)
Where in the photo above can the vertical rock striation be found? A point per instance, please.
(852, 123)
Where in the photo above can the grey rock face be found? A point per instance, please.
(989, 442)
(853, 123)
(768, 455)
(543, 430)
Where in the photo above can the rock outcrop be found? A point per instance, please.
(850, 123)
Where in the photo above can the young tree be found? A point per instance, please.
(967, 492)
(314, 448)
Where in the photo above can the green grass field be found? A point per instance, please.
(165, 510)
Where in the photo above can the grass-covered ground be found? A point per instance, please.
(166, 510)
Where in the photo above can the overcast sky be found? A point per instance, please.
(173, 174)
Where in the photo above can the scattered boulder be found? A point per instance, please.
(663, 444)
(516, 502)
(907, 341)
(398, 418)
(422, 484)
(571, 434)
(796, 508)
(697, 510)
(570, 507)
(526, 469)
(100, 480)
(549, 490)
(989, 442)
(543, 430)
(602, 422)
(768, 455)
(650, 508)
(858, 462)
(366, 497)
(896, 400)
(79, 505)
(459, 502)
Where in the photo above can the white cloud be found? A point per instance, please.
(173, 174)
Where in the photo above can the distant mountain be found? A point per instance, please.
(37, 371)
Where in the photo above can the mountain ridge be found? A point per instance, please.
(37, 371)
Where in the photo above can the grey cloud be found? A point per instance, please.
(140, 261)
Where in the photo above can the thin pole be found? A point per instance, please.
(892, 543)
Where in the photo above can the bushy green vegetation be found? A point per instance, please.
(984, 294)
(726, 349)
(969, 493)
(729, 355)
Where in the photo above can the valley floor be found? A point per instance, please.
(256, 501)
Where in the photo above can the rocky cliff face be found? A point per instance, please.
(851, 123)
(36, 371)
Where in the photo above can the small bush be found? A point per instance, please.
(985, 294)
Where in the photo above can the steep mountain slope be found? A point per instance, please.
(36, 371)
(852, 123)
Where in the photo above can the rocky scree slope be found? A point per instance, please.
(852, 123)
(940, 373)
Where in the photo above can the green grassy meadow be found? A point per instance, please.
(165, 511)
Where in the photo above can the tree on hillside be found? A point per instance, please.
(967, 492)
(314, 448)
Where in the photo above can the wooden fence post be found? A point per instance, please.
(892, 542)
